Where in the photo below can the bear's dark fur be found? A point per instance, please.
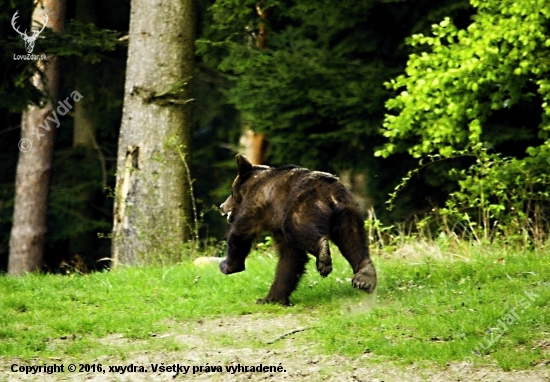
(302, 209)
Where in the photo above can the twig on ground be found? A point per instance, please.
(288, 334)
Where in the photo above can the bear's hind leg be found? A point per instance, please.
(310, 238)
(349, 236)
(291, 267)
(316, 245)
(366, 277)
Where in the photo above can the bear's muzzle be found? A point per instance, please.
(225, 211)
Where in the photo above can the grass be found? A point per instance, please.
(426, 309)
(441, 311)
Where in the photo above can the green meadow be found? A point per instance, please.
(478, 304)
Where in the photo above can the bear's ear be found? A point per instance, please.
(243, 165)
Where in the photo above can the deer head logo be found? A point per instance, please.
(29, 40)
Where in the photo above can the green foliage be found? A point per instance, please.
(486, 86)
(316, 89)
(498, 198)
(72, 196)
(463, 77)
(502, 198)
(15, 88)
(81, 40)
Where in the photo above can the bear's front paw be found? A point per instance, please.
(227, 268)
(267, 300)
(365, 279)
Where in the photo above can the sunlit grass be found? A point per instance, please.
(441, 311)
(426, 308)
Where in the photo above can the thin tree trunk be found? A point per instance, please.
(35, 161)
(84, 134)
(152, 213)
(84, 121)
(253, 146)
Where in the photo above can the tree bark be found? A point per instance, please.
(84, 134)
(253, 146)
(152, 213)
(84, 121)
(34, 166)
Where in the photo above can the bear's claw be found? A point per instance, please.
(365, 279)
(267, 300)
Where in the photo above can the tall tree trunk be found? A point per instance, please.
(253, 144)
(35, 160)
(152, 210)
(84, 133)
(84, 121)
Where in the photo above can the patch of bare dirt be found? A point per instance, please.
(252, 340)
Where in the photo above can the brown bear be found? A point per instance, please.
(302, 209)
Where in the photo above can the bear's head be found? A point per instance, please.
(240, 186)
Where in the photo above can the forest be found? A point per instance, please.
(434, 115)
